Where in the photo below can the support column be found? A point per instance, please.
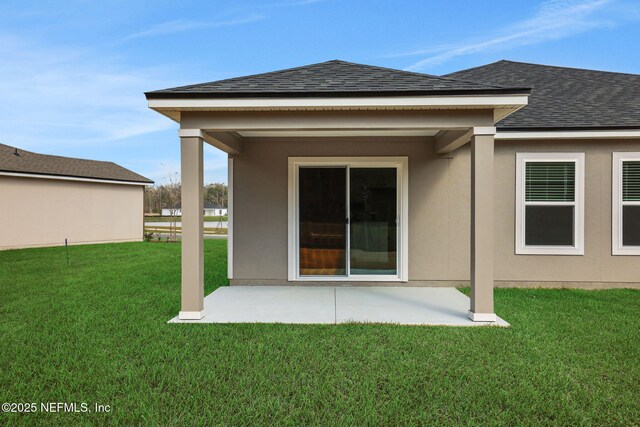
(192, 306)
(230, 218)
(482, 220)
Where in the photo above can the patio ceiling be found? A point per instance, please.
(227, 130)
(314, 133)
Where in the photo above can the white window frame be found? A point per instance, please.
(521, 160)
(402, 165)
(617, 248)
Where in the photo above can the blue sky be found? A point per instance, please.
(73, 73)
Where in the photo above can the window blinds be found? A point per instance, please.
(553, 181)
(631, 181)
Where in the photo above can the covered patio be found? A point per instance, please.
(336, 304)
(252, 118)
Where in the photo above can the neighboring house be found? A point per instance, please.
(47, 199)
(510, 174)
(209, 209)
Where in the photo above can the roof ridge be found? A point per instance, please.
(16, 148)
(230, 79)
(565, 97)
(476, 67)
(339, 62)
(574, 68)
(63, 157)
(75, 163)
(473, 68)
(589, 70)
(413, 73)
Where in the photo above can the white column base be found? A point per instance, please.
(482, 317)
(191, 315)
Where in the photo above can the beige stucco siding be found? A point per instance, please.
(439, 210)
(261, 213)
(597, 264)
(43, 212)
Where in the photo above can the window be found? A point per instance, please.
(550, 203)
(626, 204)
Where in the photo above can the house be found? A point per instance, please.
(209, 209)
(47, 200)
(510, 174)
(214, 210)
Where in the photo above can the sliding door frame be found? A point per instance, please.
(401, 164)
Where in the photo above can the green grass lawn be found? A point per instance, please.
(96, 331)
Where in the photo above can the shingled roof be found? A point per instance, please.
(21, 161)
(564, 98)
(334, 79)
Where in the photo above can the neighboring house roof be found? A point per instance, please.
(16, 160)
(334, 79)
(564, 98)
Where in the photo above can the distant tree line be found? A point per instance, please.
(217, 194)
(167, 196)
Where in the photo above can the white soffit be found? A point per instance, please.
(320, 133)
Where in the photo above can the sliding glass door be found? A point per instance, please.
(348, 221)
(322, 221)
(373, 234)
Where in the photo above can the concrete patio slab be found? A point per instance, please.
(405, 306)
(268, 304)
(337, 304)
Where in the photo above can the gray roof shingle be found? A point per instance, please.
(566, 98)
(336, 79)
(44, 164)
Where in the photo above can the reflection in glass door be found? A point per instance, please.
(347, 221)
(373, 214)
(322, 221)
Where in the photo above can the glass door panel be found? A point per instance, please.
(373, 227)
(322, 214)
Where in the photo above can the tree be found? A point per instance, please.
(152, 202)
(168, 196)
(216, 193)
(171, 195)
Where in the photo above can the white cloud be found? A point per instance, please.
(554, 19)
(57, 96)
(181, 26)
